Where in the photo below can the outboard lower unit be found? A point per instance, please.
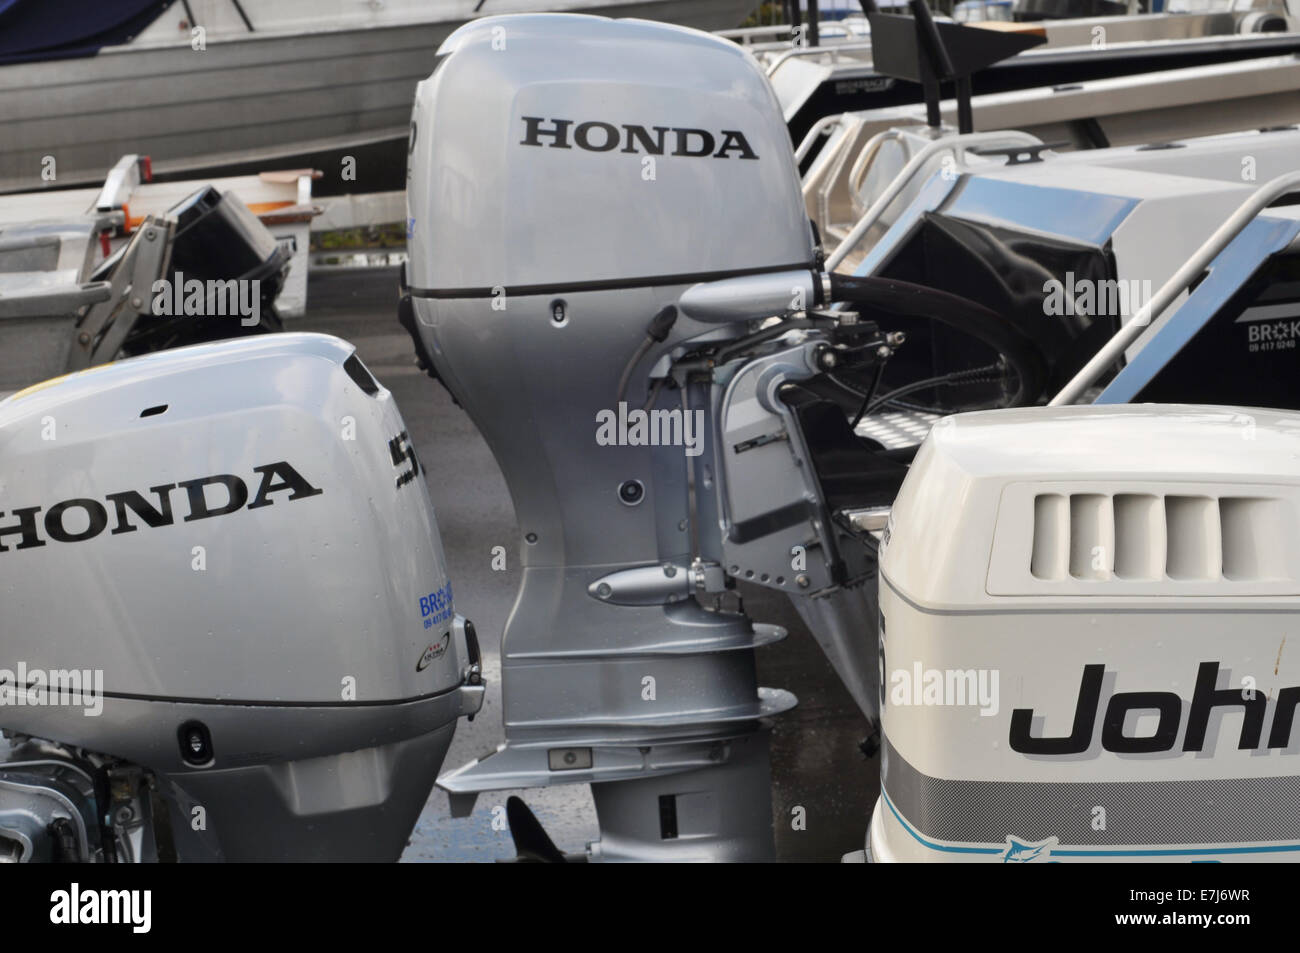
(228, 631)
(604, 216)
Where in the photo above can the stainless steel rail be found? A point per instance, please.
(821, 128)
(956, 143)
(1247, 212)
(801, 51)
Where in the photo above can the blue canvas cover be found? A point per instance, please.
(59, 29)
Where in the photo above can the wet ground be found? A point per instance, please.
(816, 763)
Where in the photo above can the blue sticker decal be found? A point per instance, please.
(436, 606)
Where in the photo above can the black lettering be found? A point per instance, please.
(1206, 698)
(199, 509)
(1085, 717)
(684, 140)
(733, 140)
(1168, 704)
(26, 528)
(653, 147)
(1279, 735)
(402, 452)
(534, 131)
(290, 480)
(695, 143)
(98, 519)
(582, 135)
(162, 516)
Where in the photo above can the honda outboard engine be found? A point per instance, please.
(603, 216)
(1087, 618)
(561, 169)
(227, 626)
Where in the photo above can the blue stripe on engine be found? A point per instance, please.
(1089, 852)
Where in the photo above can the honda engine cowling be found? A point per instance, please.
(597, 210)
(229, 549)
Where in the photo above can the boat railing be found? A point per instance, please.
(821, 128)
(1194, 267)
(103, 311)
(854, 181)
(41, 302)
(746, 35)
(858, 171)
(956, 143)
(123, 179)
(799, 52)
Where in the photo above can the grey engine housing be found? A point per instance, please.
(236, 536)
(569, 180)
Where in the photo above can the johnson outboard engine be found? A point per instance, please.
(1085, 615)
(227, 626)
(611, 271)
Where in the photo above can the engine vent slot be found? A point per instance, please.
(1254, 545)
(1154, 538)
(1092, 533)
(1194, 549)
(1049, 559)
(1140, 544)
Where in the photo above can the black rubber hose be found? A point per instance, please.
(907, 300)
(987, 374)
(656, 333)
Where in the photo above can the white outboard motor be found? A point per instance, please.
(602, 216)
(227, 629)
(1087, 622)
